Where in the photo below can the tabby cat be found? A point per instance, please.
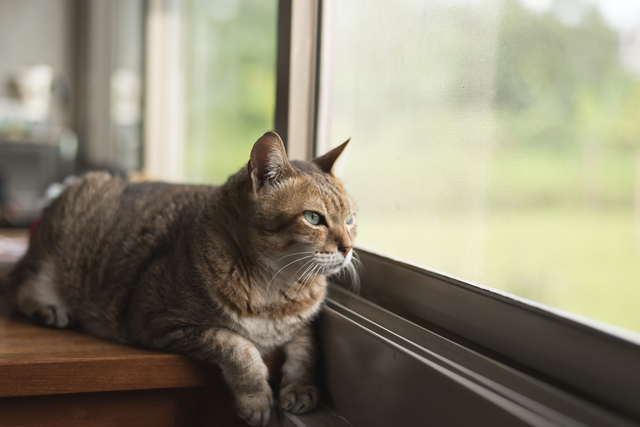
(225, 274)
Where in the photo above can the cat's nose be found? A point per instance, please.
(345, 250)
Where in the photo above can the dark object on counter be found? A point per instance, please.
(26, 170)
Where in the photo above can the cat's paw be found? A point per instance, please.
(53, 317)
(299, 398)
(255, 408)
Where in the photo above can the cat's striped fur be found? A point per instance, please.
(224, 274)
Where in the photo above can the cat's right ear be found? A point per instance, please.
(327, 161)
(268, 162)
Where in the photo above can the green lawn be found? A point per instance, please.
(535, 232)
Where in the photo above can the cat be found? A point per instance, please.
(224, 274)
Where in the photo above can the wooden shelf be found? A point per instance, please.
(55, 378)
(43, 361)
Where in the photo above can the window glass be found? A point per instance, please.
(495, 141)
(229, 49)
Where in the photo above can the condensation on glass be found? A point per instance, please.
(495, 141)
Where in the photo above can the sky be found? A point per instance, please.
(621, 15)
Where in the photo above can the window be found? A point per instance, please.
(211, 92)
(498, 203)
(494, 164)
(497, 142)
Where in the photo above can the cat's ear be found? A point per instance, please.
(327, 161)
(268, 162)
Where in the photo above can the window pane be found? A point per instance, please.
(230, 57)
(496, 141)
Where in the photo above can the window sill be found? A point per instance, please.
(40, 361)
(51, 377)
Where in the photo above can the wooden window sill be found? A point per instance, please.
(54, 378)
(41, 361)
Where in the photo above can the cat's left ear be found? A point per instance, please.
(327, 161)
(268, 162)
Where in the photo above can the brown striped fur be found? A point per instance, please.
(224, 274)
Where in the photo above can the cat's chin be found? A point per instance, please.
(328, 271)
(333, 263)
(331, 270)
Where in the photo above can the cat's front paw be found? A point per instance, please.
(299, 398)
(53, 316)
(255, 408)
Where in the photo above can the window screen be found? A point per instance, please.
(495, 141)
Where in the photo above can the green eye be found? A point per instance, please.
(349, 219)
(312, 217)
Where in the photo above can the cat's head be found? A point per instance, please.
(305, 220)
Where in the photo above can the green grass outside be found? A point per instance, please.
(538, 234)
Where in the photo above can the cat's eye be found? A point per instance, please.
(312, 217)
(349, 219)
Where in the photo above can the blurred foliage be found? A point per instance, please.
(230, 48)
(573, 72)
(565, 222)
(562, 92)
(497, 144)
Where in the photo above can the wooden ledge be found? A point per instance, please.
(40, 361)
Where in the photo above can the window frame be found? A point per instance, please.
(298, 53)
(595, 361)
(587, 359)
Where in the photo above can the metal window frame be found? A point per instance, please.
(592, 361)
(381, 370)
(299, 24)
(595, 363)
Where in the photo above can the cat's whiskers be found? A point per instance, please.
(278, 272)
(299, 279)
(354, 270)
(297, 253)
(356, 259)
(302, 277)
(312, 279)
(309, 279)
(355, 278)
(307, 264)
(311, 266)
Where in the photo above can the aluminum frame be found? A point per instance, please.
(298, 50)
(367, 349)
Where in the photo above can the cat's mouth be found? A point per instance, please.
(309, 266)
(346, 266)
(333, 263)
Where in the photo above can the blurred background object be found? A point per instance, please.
(70, 97)
(38, 143)
(79, 78)
(12, 248)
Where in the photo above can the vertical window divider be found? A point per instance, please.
(298, 25)
(164, 94)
